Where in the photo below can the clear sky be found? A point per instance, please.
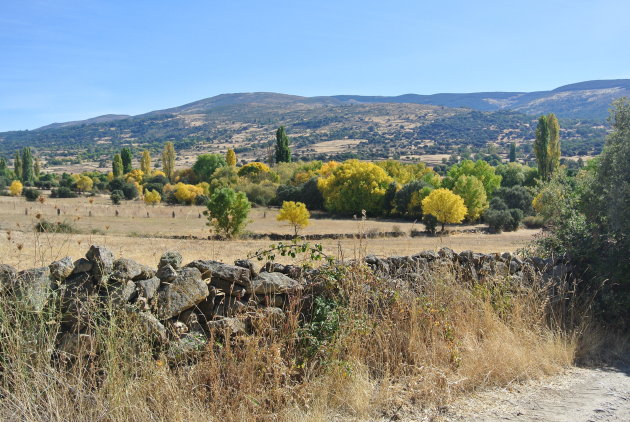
(66, 60)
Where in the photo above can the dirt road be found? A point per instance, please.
(578, 395)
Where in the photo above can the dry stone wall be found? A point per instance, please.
(182, 305)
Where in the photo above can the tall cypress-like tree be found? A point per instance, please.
(126, 155)
(145, 162)
(27, 165)
(117, 166)
(37, 168)
(547, 145)
(168, 161)
(17, 165)
(230, 157)
(512, 152)
(283, 152)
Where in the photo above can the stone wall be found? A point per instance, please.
(182, 305)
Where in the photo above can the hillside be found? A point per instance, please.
(406, 126)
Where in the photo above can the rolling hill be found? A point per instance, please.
(340, 126)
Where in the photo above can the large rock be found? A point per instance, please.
(172, 258)
(60, 270)
(166, 273)
(187, 290)
(215, 269)
(82, 265)
(125, 269)
(272, 283)
(152, 325)
(122, 293)
(102, 260)
(8, 276)
(34, 287)
(76, 304)
(231, 325)
(148, 288)
(145, 273)
(247, 264)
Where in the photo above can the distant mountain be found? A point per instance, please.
(408, 125)
(99, 119)
(583, 100)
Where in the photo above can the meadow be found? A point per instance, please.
(143, 232)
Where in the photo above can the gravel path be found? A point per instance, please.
(579, 395)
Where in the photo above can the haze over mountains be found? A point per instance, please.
(408, 125)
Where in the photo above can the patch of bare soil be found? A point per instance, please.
(579, 395)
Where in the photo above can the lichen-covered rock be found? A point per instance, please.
(122, 293)
(428, 255)
(82, 265)
(218, 270)
(272, 283)
(102, 260)
(146, 273)
(166, 273)
(184, 292)
(172, 258)
(76, 300)
(125, 269)
(152, 325)
(247, 264)
(61, 269)
(8, 276)
(231, 325)
(34, 287)
(447, 253)
(148, 288)
(187, 347)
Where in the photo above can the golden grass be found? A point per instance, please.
(420, 344)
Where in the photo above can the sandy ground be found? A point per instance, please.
(579, 395)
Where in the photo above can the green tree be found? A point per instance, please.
(354, 186)
(547, 145)
(283, 152)
(168, 161)
(206, 165)
(117, 166)
(512, 152)
(145, 162)
(228, 211)
(28, 175)
(445, 206)
(472, 191)
(36, 168)
(230, 157)
(17, 165)
(480, 169)
(127, 156)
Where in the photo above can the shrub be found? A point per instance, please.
(31, 194)
(58, 227)
(117, 196)
(533, 222)
(130, 191)
(430, 223)
(202, 200)
(152, 197)
(63, 192)
(497, 219)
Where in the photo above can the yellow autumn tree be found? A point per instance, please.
(152, 197)
(444, 205)
(253, 169)
(135, 176)
(16, 188)
(84, 183)
(145, 162)
(186, 194)
(294, 213)
(354, 186)
(230, 157)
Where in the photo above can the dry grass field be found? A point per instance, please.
(142, 233)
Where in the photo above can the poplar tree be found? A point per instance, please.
(547, 145)
(168, 161)
(283, 152)
(230, 157)
(117, 166)
(145, 162)
(126, 156)
(17, 165)
(27, 165)
(37, 168)
(512, 152)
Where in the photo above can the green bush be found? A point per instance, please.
(228, 211)
(116, 197)
(44, 226)
(63, 192)
(430, 223)
(31, 194)
(533, 222)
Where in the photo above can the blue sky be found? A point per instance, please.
(66, 60)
